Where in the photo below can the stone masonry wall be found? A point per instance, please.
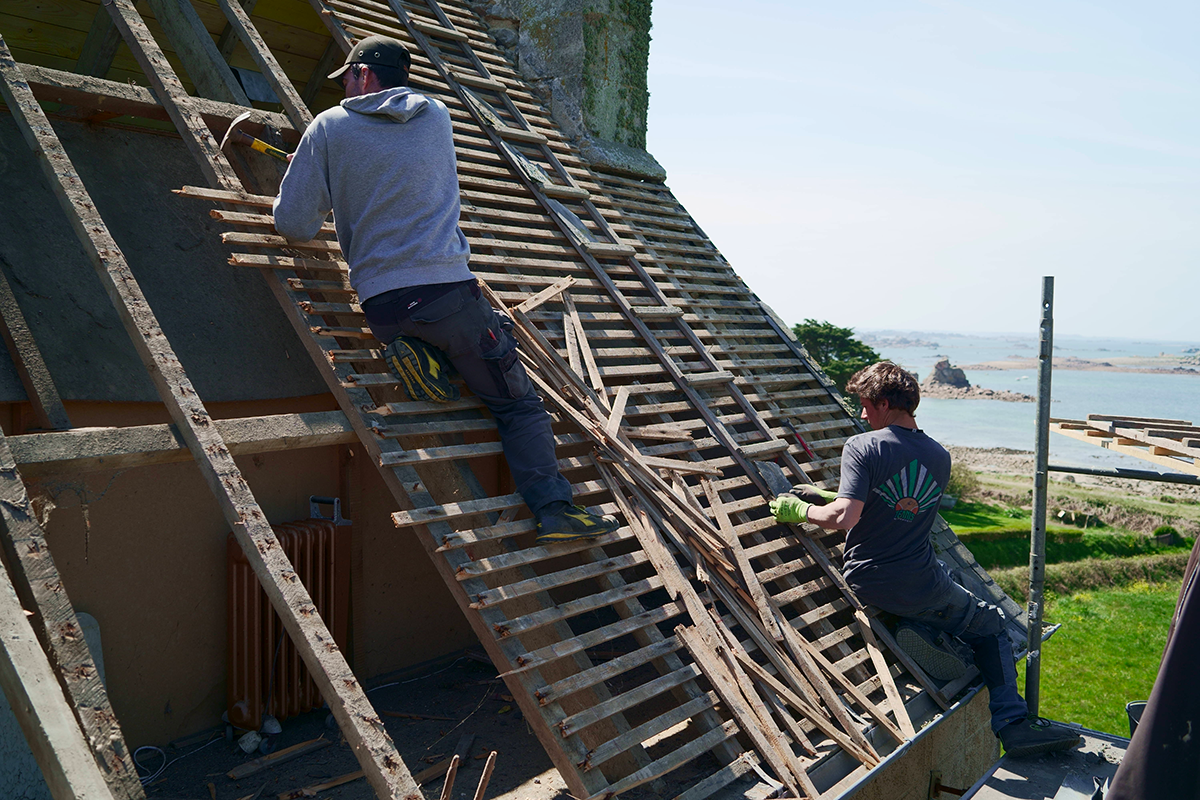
(588, 60)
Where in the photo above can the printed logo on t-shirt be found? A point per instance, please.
(910, 491)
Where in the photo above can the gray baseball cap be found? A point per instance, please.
(383, 51)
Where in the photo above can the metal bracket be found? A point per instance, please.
(314, 511)
(938, 790)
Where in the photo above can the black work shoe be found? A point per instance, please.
(563, 522)
(933, 652)
(1034, 735)
(422, 368)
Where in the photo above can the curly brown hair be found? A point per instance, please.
(886, 380)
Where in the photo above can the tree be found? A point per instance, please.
(836, 349)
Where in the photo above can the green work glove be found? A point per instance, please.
(811, 494)
(789, 508)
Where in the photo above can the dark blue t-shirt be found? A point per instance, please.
(899, 474)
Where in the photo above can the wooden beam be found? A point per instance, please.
(180, 107)
(195, 48)
(100, 46)
(61, 635)
(229, 37)
(27, 358)
(363, 728)
(40, 708)
(101, 449)
(83, 91)
(239, 20)
(329, 59)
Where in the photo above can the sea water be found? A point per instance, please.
(1074, 393)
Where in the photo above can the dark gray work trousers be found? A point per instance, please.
(479, 343)
(976, 622)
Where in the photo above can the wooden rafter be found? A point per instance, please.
(48, 408)
(61, 636)
(194, 46)
(50, 728)
(116, 99)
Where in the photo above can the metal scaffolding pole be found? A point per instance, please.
(1037, 538)
(1134, 474)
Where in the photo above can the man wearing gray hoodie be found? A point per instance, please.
(383, 161)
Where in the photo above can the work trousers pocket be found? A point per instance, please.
(498, 347)
(451, 323)
(437, 310)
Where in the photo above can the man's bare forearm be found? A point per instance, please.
(841, 514)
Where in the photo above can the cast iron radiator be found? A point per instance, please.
(265, 673)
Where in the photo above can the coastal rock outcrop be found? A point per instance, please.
(947, 382)
(945, 374)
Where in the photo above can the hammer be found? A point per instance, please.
(255, 144)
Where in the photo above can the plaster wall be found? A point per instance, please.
(143, 551)
(224, 324)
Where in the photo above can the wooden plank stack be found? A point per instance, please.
(1173, 443)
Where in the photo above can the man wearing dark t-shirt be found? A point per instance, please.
(891, 481)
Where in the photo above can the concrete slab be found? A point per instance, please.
(1042, 777)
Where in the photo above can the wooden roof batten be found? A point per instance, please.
(671, 381)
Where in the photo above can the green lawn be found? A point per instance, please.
(1013, 550)
(968, 518)
(1183, 507)
(1105, 655)
(998, 537)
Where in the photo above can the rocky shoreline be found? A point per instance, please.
(1184, 365)
(974, 393)
(948, 382)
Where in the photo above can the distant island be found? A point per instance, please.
(1186, 364)
(947, 382)
(894, 341)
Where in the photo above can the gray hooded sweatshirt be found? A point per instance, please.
(384, 162)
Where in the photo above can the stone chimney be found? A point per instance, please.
(588, 60)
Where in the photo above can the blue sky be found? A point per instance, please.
(921, 165)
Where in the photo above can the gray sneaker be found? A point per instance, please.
(1034, 735)
(934, 652)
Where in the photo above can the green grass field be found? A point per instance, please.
(971, 518)
(998, 537)
(1105, 655)
(1108, 650)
